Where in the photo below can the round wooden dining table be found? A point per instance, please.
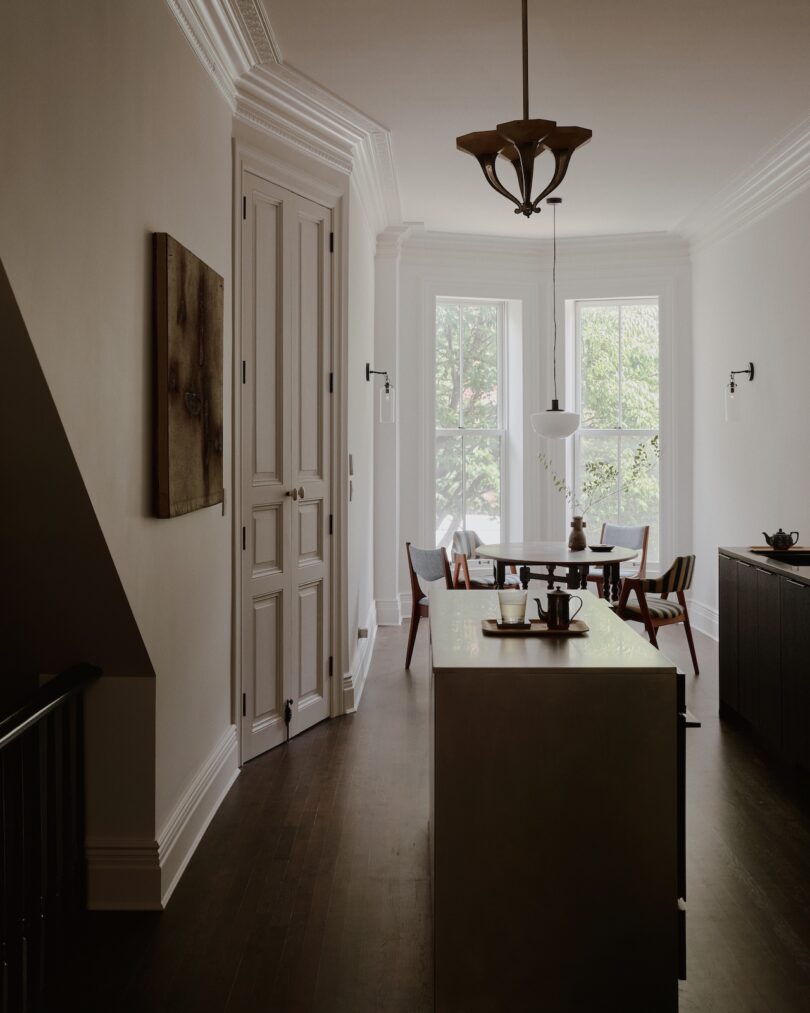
(552, 555)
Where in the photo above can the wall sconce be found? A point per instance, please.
(387, 394)
(732, 402)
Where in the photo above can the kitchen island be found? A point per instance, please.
(556, 815)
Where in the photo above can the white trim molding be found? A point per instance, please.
(235, 43)
(140, 874)
(780, 172)
(354, 681)
(704, 618)
(389, 611)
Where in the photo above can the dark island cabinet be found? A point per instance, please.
(764, 620)
(729, 654)
(796, 671)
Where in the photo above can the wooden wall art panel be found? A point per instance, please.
(188, 336)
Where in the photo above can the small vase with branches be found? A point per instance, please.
(600, 482)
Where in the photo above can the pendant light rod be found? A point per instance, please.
(525, 59)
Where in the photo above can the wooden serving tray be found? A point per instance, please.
(535, 628)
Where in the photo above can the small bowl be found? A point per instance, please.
(601, 548)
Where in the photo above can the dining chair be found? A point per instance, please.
(430, 565)
(626, 538)
(659, 611)
(465, 548)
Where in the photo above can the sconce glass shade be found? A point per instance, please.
(388, 403)
(731, 396)
(555, 424)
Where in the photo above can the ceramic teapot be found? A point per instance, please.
(557, 617)
(781, 540)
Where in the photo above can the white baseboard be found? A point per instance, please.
(406, 605)
(141, 874)
(389, 612)
(123, 874)
(704, 619)
(355, 680)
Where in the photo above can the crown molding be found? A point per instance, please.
(235, 43)
(283, 103)
(648, 251)
(780, 172)
(259, 30)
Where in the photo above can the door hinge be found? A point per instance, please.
(244, 370)
(330, 524)
(244, 540)
(330, 666)
(331, 242)
(331, 383)
(244, 208)
(244, 705)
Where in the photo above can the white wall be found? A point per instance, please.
(361, 426)
(111, 130)
(750, 299)
(437, 264)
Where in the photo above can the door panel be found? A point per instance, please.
(286, 342)
(311, 326)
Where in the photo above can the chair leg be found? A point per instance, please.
(687, 626)
(652, 635)
(415, 617)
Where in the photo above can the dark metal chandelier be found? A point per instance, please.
(520, 142)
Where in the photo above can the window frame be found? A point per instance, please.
(501, 432)
(619, 432)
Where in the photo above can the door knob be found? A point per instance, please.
(292, 492)
(300, 492)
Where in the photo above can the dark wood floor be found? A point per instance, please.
(310, 890)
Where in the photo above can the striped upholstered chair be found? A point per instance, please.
(465, 548)
(659, 611)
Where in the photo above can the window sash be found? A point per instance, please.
(619, 432)
(499, 432)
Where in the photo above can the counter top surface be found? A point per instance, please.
(797, 573)
(610, 645)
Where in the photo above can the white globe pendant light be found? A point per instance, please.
(555, 423)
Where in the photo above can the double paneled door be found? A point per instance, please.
(285, 442)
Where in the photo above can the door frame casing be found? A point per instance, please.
(248, 158)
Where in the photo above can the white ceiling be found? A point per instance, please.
(681, 96)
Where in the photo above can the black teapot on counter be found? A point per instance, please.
(558, 616)
(781, 540)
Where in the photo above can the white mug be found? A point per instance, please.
(513, 607)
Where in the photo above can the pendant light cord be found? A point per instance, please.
(554, 290)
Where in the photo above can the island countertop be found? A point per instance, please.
(459, 645)
(745, 555)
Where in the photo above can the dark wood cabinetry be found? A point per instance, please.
(795, 656)
(729, 655)
(765, 654)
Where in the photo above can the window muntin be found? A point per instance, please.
(616, 449)
(469, 416)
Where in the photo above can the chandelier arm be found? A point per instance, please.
(562, 160)
(487, 163)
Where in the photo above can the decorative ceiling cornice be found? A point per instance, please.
(259, 29)
(235, 43)
(781, 172)
(649, 251)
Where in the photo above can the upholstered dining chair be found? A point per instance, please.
(429, 565)
(626, 538)
(465, 548)
(658, 611)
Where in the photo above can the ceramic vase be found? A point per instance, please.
(577, 540)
